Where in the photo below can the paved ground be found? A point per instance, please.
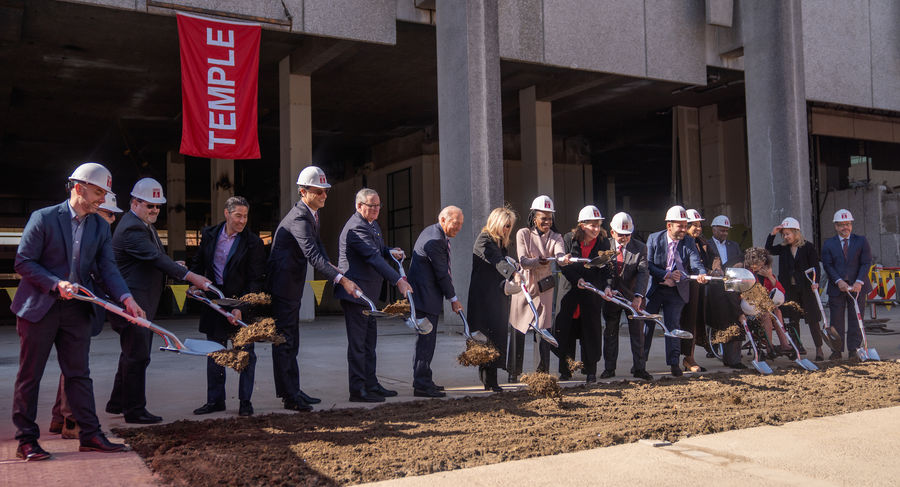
(177, 385)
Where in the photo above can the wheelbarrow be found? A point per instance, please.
(172, 343)
(802, 362)
(544, 334)
(761, 366)
(422, 326)
(830, 335)
(636, 314)
(863, 352)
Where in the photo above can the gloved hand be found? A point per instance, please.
(510, 288)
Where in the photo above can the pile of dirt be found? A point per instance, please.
(477, 354)
(258, 331)
(398, 307)
(542, 384)
(348, 446)
(232, 358)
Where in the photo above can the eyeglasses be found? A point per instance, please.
(372, 206)
(151, 206)
(317, 191)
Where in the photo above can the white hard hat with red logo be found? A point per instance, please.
(721, 221)
(622, 224)
(110, 204)
(694, 216)
(843, 215)
(544, 203)
(588, 213)
(676, 214)
(790, 223)
(313, 176)
(149, 190)
(93, 173)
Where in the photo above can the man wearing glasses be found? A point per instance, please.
(296, 242)
(144, 264)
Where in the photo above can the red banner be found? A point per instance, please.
(219, 69)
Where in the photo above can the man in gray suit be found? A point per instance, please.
(59, 247)
(630, 277)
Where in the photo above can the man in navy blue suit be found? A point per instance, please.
(846, 258)
(362, 259)
(296, 242)
(59, 247)
(672, 257)
(429, 275)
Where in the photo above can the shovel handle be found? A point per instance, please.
(359, 294)
(203, 299)
(216, 290)
(811, 275)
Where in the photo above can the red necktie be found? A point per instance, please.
(620, 260)
(845, 247)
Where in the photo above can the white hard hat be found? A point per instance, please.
(721, 221)
(776, 296)
(544, 203)
(747, 308)
(790, 223)
(110, 204)
(312, 176)
(149, 190)
(589, 212)
(694, 216)
(843, 215)
(93, 173)
(676, 214)
(621, 223)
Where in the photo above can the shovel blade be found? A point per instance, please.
(873, 354)
(421, 326)
(376, 314)
(806, 364)
(478, 337)
(679, 334)
(761, 367)
(645, 317)
(863, 354)
(200, 347)
(546, 336)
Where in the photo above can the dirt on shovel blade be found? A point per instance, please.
(574, 366)
(399, 307)
(232, 358)
(758, 297)
(257, 299)
(258, 331)
(477, 354)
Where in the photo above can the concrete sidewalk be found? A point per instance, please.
(176, 385)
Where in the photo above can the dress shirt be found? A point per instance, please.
(723, 251)
(224, 244)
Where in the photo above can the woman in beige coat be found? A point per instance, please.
(537, 246)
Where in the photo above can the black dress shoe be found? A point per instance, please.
(31, 452)
(55, 427)
(113, 408)
(437, 387)
(99, 443)
(565, 376)
(428, 393)
(379, 390)
(590, 378)
(834, 356)
(642, 374)
(607, 373)
(297, 405)
(309, 399)
(512, 379)
(143, 417)
(676, 371)
(246, 409)
(366, 397)
(210, 407)
(494, 388)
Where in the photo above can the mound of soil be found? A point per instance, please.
(348, 446)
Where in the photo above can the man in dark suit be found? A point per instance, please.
(846, 258)
(59, 247)
(630, 277)
(235, 259)
(429, 275)
(362, 259)
(728, 251)
(144, 265)
(672, 256)
(296, 242)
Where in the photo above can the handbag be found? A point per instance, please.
(546, 284)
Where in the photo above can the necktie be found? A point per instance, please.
(845, 246)
(620, 260)
(316, 216)
(449, 267)
(670, 255)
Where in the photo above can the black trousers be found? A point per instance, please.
(843, 319)
(129, 389)
(588, 328)
(66, 326)
(612, 315)
(215, 373)
(515, 356)
(424, 353)
(362, 336)
(285, 369)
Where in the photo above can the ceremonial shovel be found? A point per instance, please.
(635, 314)
(544, 334)
(863, 352)
(214, 304)
(599, 261)
(222, 300)
(736, 279)
(802, 362)
(373, 311)
(761, 367)
(477, 336)
(829, 334)
(173, 344)
(422, 326)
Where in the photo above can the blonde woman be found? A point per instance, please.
(537, 245)
(488, 303)
(796, 256)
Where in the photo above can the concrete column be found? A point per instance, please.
(295, 126)
(776, 115)
(221, 187)
(535, 123)
(175, 207)
(469, 119)
(689, 157)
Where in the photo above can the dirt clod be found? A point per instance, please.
(477, 354)
(232, 358)
(259, 331)
(573, 365)
(398, 307)
(793, 306)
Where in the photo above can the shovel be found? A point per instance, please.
(761, 366)
(736, 279)
(636, 314)
(863, 352)
(198, 295)
(599, 261)
(802, 362)
(172, 343)
(373, 311)
(830, 335)
(222, 300)
(422, 326)
(478, 336)
(544, 334)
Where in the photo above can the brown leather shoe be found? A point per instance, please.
(99, 443)
(31, 452)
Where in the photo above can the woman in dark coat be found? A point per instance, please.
(796, 255)
(693, 315)
(488, 302)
